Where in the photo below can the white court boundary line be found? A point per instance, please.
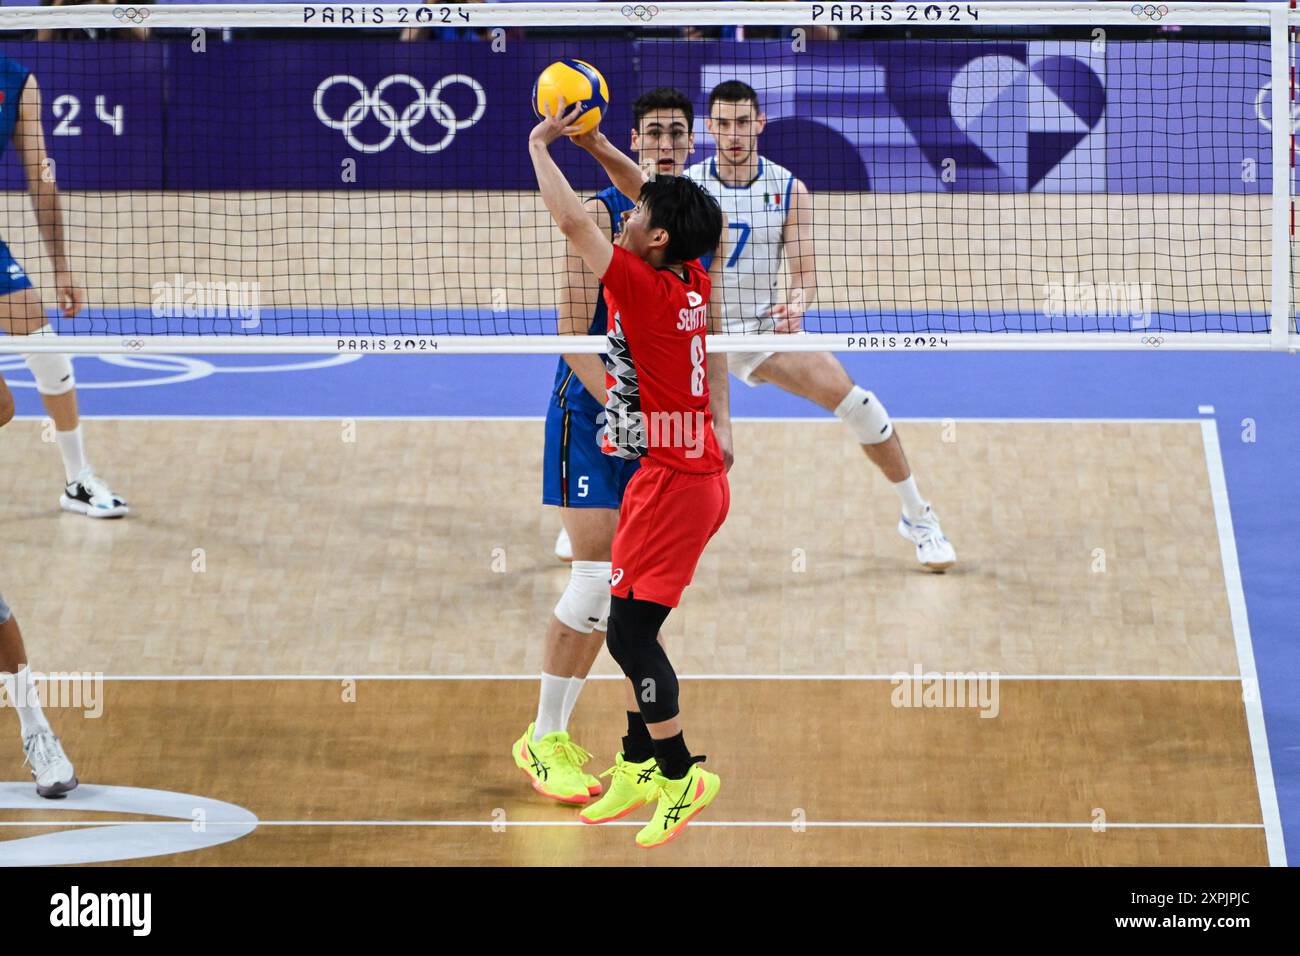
(1245, 651)
(781, 824)
(779, 419)
(900, 675)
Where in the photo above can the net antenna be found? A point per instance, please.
(329, 178)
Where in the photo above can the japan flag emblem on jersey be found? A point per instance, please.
(693, 299)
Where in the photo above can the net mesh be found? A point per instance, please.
(271, 184)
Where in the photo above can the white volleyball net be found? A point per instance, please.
(312, 178)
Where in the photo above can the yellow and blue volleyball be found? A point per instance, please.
(576, 81)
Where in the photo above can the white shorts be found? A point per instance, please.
(754, 327)
(743, 364)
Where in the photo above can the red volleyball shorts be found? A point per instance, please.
(666, 519)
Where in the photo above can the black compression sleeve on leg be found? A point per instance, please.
(632, 640)
(637, 745)
(673, 757)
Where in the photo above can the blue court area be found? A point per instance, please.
(1124, 313)
(1254, 399)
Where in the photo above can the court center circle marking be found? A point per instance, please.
(182, 368)
(210, 823)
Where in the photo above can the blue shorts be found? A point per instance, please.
(12, 276)
(575, 472)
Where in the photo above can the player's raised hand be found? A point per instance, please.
(68, 294)
(590, 140)
(557, 124)
(789, 318)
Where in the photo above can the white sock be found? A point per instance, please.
(570, 698)
(550, 705)
(73, 451)
(913, 504)
(23, 694)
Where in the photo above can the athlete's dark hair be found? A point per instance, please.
(691, 217)
(733, 91)
(664, 98)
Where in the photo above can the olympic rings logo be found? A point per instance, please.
(1150, 11)
(424, 103)
(136, 344)
(1153, 340)
(640, 11)
(133, 14)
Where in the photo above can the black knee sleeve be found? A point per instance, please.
(633, 641)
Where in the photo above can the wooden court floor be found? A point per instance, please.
(1089, 580)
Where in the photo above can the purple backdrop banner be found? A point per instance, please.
(102, 106)
(1194, 119)
(892, 116)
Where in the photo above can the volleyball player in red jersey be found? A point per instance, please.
(657, 410)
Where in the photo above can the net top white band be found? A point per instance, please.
(887, 13)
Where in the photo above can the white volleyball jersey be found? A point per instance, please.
(756, 216)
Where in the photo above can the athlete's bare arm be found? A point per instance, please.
(623, 171)
(6, 403)
(797, 248)
(719, 384)
(592, 245)
(29, 140)
(578, 292)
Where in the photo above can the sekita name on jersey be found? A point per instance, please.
(692, 319)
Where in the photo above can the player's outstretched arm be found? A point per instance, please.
(797, 248)
(29, 140)
(719, 383)
(578, 292)
(623, 171)
(563, 203)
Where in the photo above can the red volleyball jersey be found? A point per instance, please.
(656, 380)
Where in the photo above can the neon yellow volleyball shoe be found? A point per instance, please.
(577, 758)
(550, 766)
(680, 801)
(631, 787)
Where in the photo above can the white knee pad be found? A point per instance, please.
(866, 416)
(52, 371)
(584, 605)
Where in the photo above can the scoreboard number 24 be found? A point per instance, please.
(67, 108)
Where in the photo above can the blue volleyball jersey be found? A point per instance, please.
(13, 77)
(569, 391)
